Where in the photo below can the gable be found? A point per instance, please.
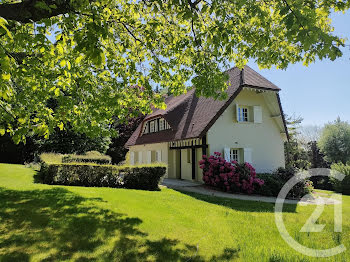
(267, 119)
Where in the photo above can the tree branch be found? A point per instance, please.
(29, 11)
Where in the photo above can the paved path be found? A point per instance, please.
(199, 188)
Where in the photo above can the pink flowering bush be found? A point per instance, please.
(229, 176)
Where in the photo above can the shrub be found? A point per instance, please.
(276, 180)
(335, 141)
(89, 157)
(145, 177)
(272, 185)
(344, 185)
(230, 177)
(52, 158)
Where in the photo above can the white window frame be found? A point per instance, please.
(161, 124)
(156, 128)
(151, 127)
(243, 116)
(234, 154)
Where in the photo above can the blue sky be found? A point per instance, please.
(320, 92)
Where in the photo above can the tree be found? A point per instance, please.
(116, 149)
(335, 141)
(296, 156)
(65, 142)
(309, 133)
(69, 142)
(90, 55)
(316, 157)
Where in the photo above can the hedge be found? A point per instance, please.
(344, 185)
(146, 177)
(85, 159)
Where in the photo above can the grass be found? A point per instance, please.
(57, 223)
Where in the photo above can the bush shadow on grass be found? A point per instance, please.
(240, 205)
(56, 224)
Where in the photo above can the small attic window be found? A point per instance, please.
(161, 124)
(151, 127)
(155, 125)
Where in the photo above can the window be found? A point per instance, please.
(158, 156)
(161, 124)
(234, 155)
(243, 114)
(155, 125)
(140, 157)
(145, 128)
(151, 127)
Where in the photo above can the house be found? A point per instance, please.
(248, 126)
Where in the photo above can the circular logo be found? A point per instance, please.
(310, 226)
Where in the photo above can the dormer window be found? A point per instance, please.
(161, 124)
(151, 127)
(155, 125)
(145, 128)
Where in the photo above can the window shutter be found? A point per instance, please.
(248, 155)
(159, 156)
(140, 157)
(257, 114)
(149, 157)
(132, 158)
(237, 113)
(227, 154)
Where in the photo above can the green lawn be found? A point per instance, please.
(50, 223)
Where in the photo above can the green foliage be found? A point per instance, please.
(344, 185)
(71, 142)
(144, 177)
(105, 224)
(17, 153)
(89, 157)
(335, 141)
(316, 157)
(51, 158)
(89, 58)
(296, 156)
(274, 182)
(117, 148)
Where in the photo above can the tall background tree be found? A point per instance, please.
(295, 154)
(89, 55)
(335, 141)
(116, 149)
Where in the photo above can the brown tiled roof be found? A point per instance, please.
(190, 116)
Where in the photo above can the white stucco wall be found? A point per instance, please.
(265, 139)
(151, 147)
